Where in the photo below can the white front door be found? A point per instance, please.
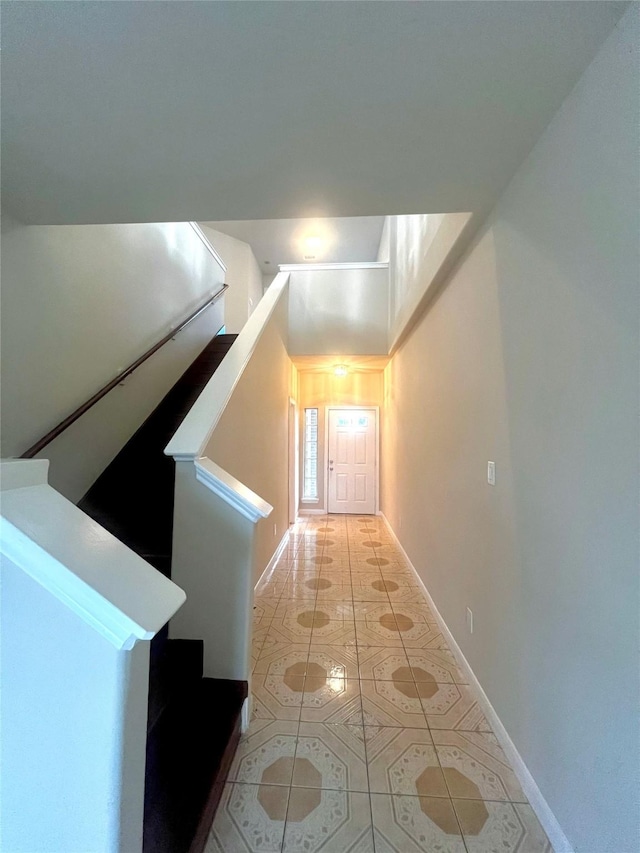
(352, 468)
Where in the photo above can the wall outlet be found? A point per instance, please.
(470, 620)
(275, 529)
(491, 473)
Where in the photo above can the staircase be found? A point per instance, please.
(193, 722)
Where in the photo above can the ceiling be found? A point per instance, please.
(175, 111)
(353, 363)
(298, 241)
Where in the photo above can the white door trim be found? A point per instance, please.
(294, 454)
(328, 409)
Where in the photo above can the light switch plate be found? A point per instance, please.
(491, 473)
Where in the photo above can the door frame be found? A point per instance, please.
(328, 409)
(294, 461)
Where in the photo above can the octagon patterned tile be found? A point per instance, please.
(277, 697)
(378, 634)
(328, 821)
(265, 754)
(276, 659)
(403, 761)
(337, 754)
(500, 827)
(453, 706)
(434, 665)
(387, 703)
(250, 818)
(338, 661)
(379, 663)
(415, 825)
(476, 767)
(332, 700)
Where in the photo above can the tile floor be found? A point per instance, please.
(364, 736)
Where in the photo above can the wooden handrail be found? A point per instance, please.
(55, 432)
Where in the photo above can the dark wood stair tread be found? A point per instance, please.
(189, 753)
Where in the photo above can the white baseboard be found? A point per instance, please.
(274, 559)
(556, 836)
(312, 512)
(245, 714)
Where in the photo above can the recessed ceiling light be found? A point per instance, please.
(313, 243)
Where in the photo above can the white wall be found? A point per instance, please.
(422, 248)
(529, 358)
(80, 303)
(61, 793)
(338, 312)
(244, 278)
(251, 440)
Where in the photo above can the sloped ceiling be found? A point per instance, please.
(146, 111)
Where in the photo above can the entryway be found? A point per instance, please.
(352, 456)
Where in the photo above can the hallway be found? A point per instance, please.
(364, 735)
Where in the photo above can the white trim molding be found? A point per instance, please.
(80, 563)
(208, 244)
(235, 493)
(364, 265)
(558, 839)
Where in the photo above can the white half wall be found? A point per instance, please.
(251, 439)
(244, 278)
(529, 358)
(79, 304)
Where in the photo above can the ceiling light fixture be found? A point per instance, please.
(340, 370)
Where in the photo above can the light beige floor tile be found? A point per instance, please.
(277, 697)
(337, 661)
(418, 635)
(295, 628)
(250, 818)
(476, 767)
(403, 761)
(381, 613)
(328, 821)
(452, 706)
(500, 828)
(333, 632)
(415, 825)
(362, 610)
(378, 633)
(281, 657)
(413, 595)
(291, 608)
(331, 700)
(416, 612)
(338, 559)
(434, 665)
(336, 592)
(330, 756)
(274, 589)
(368, 592)
(266, 753)
(389, 703)
(337, 611)
(383, 664)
